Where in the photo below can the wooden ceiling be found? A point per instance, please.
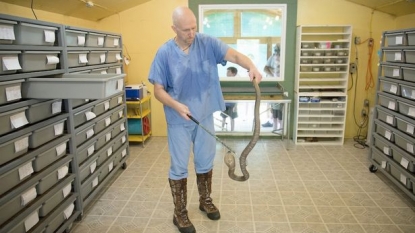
(392, 7)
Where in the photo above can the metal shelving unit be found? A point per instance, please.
(139, 110)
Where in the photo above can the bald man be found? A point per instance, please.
(185, 77)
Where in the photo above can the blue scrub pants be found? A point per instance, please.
(181, 138)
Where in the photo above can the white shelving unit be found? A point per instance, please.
(322, 68)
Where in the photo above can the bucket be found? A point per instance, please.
(138, 126)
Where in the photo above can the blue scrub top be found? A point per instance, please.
(192, 79)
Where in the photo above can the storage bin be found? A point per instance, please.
(12, 120)
(386, 117)
(86, 152)
(14, 148)
(409, 56)
(83, 116)
(75, 86)
(408, 74)
(15, 176)
(83, 136)
(407, 91)
(389, 87)
(17, 203)
(107, 169)
(385, 133)
(404, 159)
(102, 124)
(53, 178)
(405, 126)
(387, 102)
(406, 109)
(81, 72)
(10, 91)
(114, 70)
(115, 101)
(113, 57)
(75, 38)
(392, 71)
(79, 102)
(116, 116)
(89, 169)
(405, 142)
(410, 37)
(117, 129)
(396, 39)
(101, 108)
(60, 219)
(383, 146)
(394, 56)
(46, 134)
(95, 39)
(9, 62)
(43, 110)
(55, 200)
(50, 156)
(34, 34)
(112, 41)
(99, 71)
(39, 60)
(119, 142)
(8, 36)
(96, 57)
(77, 58)
(27, 224)
(105, 154)
(375, 155)
(403, 178)
(87, 188)
(103, 140)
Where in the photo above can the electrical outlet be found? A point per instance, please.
(363, 113)
(353, 68)
(366, 103)
(357, 40)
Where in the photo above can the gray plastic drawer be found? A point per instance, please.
(60, 219)
(83, 136)
(83, 116)
(96, 57)
(43, 110)
(396, 39)
(411, 37)
(407, 91)
(33, 34)
(9, 62)
(383, 146)
(375, 155)
(119, 142)
(102, 124)
(116, 116)
(55, 200)
(46, 134)
(8, 26)
(405, 160)
(14, 177)
(385, 133)
(392, 72)
(88, 170)
(408, 74)
(95, 40)
(83, 154)
(409, 56)
(79, 102)
(118, 129)
(14, 148)
(386, 117)
(39, 60)
(10, 91)
(87, 188)
(17, 203)
(387, 102)
(77, 58)
(53, 178)
(27, 224)
(107, 170)
(99, 71)
(75, 38)
(395, 172)
(390, 87)
(394, 56)
(81, 72)
(105, 154)
(113, 57)
(75, 86)
(114, 70)
(116, 101)
(406, 109)
(50, 156)
(405, 142)
(405, 127)
(12, 120)
(102, 140)
(101, 108)
(112, 41)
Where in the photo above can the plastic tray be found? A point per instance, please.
(96, 57)
(48, 157)
(115, 70)
(75, 86)
(375, 155)
(411, 37)
(118, 129)
(102, 140)
(83, 136)
(10, 91)
(79, 102)
(383, 146)
(387, 102)
(14, 148)
(116, 100)
(88, 187)
(88, 170)
(6, 120)
(58, 220)
(112, 41)
(408, 74)
(9, 25)
(392, 71)
(12, 177)
(21, 228)
(13, 56)
(406, 143)
(39, 60)
(396, 39)
(50, 180)
(102, 124)
(385, 133)
(386, 117)
(81, 117)
(53, 201)
(410, 56)
(112, 56)
(406, 127)
(105, 154)
(404, 159)
(46, 134)
(34, 34)
(43, 110)
(77, 58)
(86, 152)
(99, 71)
(402, 178)
(75, 38)
(95, 40)
(407, 91)
(101, 108)
(390, 87)
(406, 109)
(394, 56)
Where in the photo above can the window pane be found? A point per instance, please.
(219, 24)
(260, 24)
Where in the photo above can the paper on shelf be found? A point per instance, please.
(63, 171)
(122, 127)
(68, 211)
(89, 133)
(398, 56)
(410, 148)
(110, 166)
(123, 139)
(118, 57)
(57, 107)
(388, 134)
(411, 111)
(109, 151)
(18, 120)
(399, 40)
(409, 129)
(102, 58)
(383, 164)
(94, 182)
(28, 196)
(104, 72)
(118, 70)
(7, 32)
(49, 36)
(11, 63)
(21, 144)
(120, 114)
(90, 115)
(66, 190)
(82, 58)
(31, 220)
(403, 179)
(124, 153)
(107, 121)
(120, 84)
(25, 170)
(395, 72)
(106, 105)
(107, 137)
(393, 89)
(413, 94)
(13, 93)
(91, 150)
(58, 129)
(100, 40)
(60, 149)
(391, 105)
(81, 40)
(386, 150)
(52, 60)
(116, 42)
(119, 99)
(93, 166)
(389, 120)
(404, 163)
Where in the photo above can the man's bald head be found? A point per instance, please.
(181, 14)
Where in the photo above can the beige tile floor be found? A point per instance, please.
(299, 189)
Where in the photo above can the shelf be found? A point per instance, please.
(316, 93)
(320, 122)
(138, 138)
(145, 112)
(138, 102)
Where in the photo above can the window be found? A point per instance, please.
(258, 31)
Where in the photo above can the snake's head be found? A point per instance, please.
(230, 159)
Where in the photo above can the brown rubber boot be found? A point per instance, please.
(204, 185)
(180, 218)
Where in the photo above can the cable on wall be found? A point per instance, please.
(31, 7)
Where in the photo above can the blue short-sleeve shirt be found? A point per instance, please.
(192, 79)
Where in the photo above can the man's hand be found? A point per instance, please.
(254, 73)
(182, 109)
